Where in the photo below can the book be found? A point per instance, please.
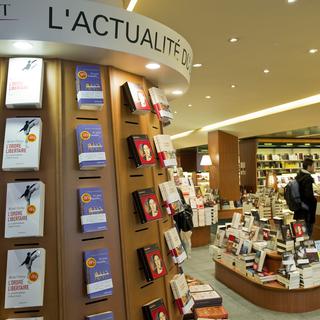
(311, 251)
(155, 310)
(175, 246)
(210, 313)
(152, 262)
(135, 98)
(25, 83)
(246, 246)
(161, 105)
(93, 215)
(206, 299)
(98, 273)
(25, 209)
(220, 236)
(22, 144)
(248, 223)
(236, 220)
(165, 150)
(259, 260)
(200, 288)
(171, 197)
(101, 316)
(181, 293)
(141, 151)
(147, 205)
(297, 228)
(237, 246)
(286, 232)
(91, 152)
(89, 88)
(25, 278)
(288, 262)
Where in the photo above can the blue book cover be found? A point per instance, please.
(101, 316)
(98, 273)
(89, 89)
(91, 151)
(92, 210)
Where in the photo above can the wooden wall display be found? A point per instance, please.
(271, 296)
(49, 173)
(133, 234)
(224, 172)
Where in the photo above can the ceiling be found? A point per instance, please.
(273, 34)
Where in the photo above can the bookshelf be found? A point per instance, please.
(281, 156)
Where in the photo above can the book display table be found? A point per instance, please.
(271, 296)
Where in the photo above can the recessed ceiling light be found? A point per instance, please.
(22, 45)
(292, 1)
(208, 97)
(197, 65)
(233, 40)
(177, 92)
(189, 105)
(313, 50)
(307, 144)
(266, 71)
(233, 86)
(176, 112)
(153, 66)
(131, 5)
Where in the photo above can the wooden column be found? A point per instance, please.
(224, 172)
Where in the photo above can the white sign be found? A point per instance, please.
(93, 24)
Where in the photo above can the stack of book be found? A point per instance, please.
(181, 293)
(306, 276)
(265, 277)
(175, 246)
(161, 105)
(216, 252)
(141, 151)
(147, 205)
(152, 262)
(285, 245)
(135, 98)
(316, 274)
(101, 316)
(289, 280)
(210, 313)
(165, 150)
(244, 262)
(154, 310)
(228, 259)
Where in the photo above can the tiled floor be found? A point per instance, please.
(201, 267)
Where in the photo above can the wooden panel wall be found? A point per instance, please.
(188, 159)
(49, 174)
(224, 173)
(133, 234)
(76, 303)
(248, 155)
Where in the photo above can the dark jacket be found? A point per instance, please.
(305, 181)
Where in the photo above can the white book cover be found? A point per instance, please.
(201, 217)
(200, 288)
(175, 246)
(25, 278)
(25, 83)
(22, 144)
(25, 209)
(160, 102)
(165, 150)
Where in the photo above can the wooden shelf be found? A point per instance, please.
(228, 213)
(271, 296)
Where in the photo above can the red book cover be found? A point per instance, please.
(298, 230)
(211, 313)
(136, 97)
(155, 263)
(155, 310)
(143, 152)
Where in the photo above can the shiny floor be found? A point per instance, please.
(201, 267)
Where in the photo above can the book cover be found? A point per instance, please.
(25, 83)
(22, 144)
(165, 150)
(211, 313)
(136, 98)
(101, 316)
(25, 209)
(171, 197)
(152, 260)
(147, 205)
(92, 210)
(155, 310)
(89, 88)
(161, 105)
(288, 262)
(286, 232)
(91, 152)
(175, 246)
(141, 150)
(25, 278)
(298, 230)
(98, 273)
(259, 260)
(200, 288)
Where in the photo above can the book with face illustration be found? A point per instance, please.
(92, 210)
(25, 278)
(161, 105)
(22, 144)
(147, 205)
(135, 98)
(25, 83)
(25, 209)
(89, 88)
(98, 273)
(155, 310)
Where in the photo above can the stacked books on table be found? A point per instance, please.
(205, 296)
(181, 293)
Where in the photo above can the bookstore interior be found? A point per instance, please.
(149, 177)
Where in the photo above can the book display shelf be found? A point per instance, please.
(65, 293)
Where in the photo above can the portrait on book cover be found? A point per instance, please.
(151, 206)
(145, 151)
(156, 264)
